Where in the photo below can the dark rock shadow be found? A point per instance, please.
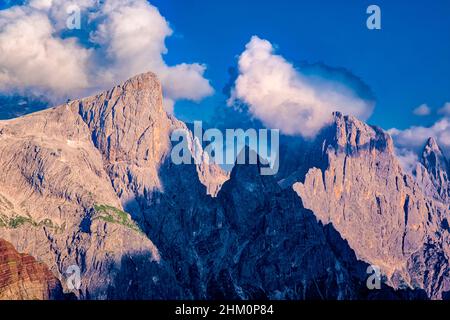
(254, 241)
(446, 296)
(138, 277)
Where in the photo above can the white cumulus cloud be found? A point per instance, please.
(282, 97)
(118, 39)
(409, 143)
(414, 138)
(32, 58)
(408, 159)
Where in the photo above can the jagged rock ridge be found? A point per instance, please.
(231, 247)
(433, 172)
(70, 174)
(381, 211)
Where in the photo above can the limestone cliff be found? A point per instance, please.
(381, 211)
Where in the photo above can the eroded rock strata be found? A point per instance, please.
(24, 278)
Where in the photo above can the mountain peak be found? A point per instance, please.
(351, 134)
(436, 164)
(432, 146)
(143, 80)
(129, 120)
(337, 114)
(432, 155)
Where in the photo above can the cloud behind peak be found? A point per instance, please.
(293, 100)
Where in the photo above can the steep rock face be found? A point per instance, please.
(271, 233)
(231, 246)
(433, 172)
(68, 175)
(132, 132)
(58, 200)
(378, 209)
(23, 278)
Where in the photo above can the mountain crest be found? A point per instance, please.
(433, 156)
(436, 176)
(349, 134)
(128, 121)
(432, 144)
(361, 189)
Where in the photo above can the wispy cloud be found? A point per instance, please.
(408, 159)
(445, 110)
(422, 110)
(415, 137)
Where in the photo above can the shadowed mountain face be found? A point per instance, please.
(91, 183)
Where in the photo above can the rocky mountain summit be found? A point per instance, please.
(91, 184)
(384, 214)
(433, 172)
(68, 173)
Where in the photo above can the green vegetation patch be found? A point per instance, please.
(16, 221)
(113, 215)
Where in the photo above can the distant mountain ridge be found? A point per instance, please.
(91, 183)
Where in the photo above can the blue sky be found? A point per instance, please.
(406, 63)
